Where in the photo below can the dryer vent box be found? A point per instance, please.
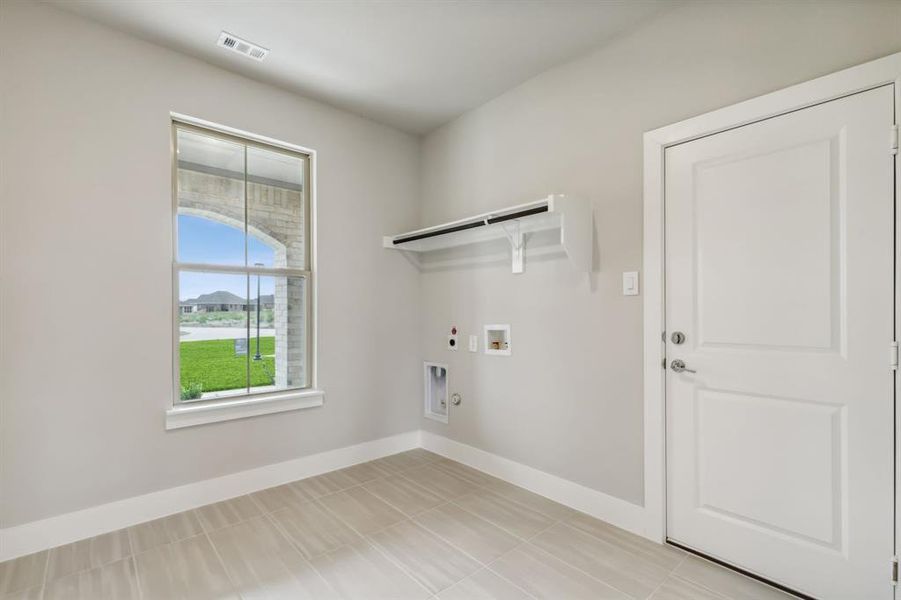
(435, 392)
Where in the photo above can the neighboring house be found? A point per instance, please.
(223, 301)
(266, 301)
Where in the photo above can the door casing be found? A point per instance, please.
(877, 73)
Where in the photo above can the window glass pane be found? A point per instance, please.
(278, 337)
(275, 215)
(213, 341)
(210, 189)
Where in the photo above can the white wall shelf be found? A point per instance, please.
(571, 216)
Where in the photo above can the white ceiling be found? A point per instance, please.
(411, 64)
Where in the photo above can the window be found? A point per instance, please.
(242, 270)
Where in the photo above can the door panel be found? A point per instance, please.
(779, 270)
(781, 444)
(785, 196)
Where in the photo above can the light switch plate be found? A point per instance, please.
(473, 343)
(630, 283)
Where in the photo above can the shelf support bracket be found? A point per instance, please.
(517, 246)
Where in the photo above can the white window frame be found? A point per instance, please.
(186, 414)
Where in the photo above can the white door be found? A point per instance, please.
(780, 273)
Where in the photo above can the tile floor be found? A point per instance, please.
(412, 525)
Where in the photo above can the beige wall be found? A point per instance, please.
(569, 399)
(85, 300)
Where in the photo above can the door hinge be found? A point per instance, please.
(893, 140)
(893, 355)
(894, 570)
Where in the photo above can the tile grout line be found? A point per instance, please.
(579, 569)
(206, 533)
(559, 521)
(487, 520)
(523, 543)
(486, 487)
(367, 538)
(397, 508)
(486, 566)
(451, 502)
(416, 486)
(678, 564)
(134, 564)
(268, 515)
(376, 545)
(281, 532)
(228, 575)
(134, 560)
(377, 548)
(483, 565)
(707, 588)
(703, 587)
(665, 579)
(138, 577)
(134, 546)
(565, 523)
(45, 575)
(363, 538)
(46, 579)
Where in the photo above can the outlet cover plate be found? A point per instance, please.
(630, 283)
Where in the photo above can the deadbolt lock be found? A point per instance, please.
(678, 337)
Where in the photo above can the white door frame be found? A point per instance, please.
(884, 71)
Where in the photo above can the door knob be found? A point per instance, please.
(679, 367)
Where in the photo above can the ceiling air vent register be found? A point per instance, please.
(241, 46)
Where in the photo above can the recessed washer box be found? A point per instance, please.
(497, 340)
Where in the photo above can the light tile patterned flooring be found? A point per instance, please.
(412, 525)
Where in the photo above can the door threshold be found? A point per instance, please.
(740, 571)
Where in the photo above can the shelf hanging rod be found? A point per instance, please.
(480, 223)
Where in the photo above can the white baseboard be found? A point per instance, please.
(70, 527)
(615, 511)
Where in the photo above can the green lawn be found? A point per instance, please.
(213, 366)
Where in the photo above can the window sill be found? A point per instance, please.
(187, 415)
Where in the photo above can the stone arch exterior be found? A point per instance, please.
(205, 212)
(275, 216)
